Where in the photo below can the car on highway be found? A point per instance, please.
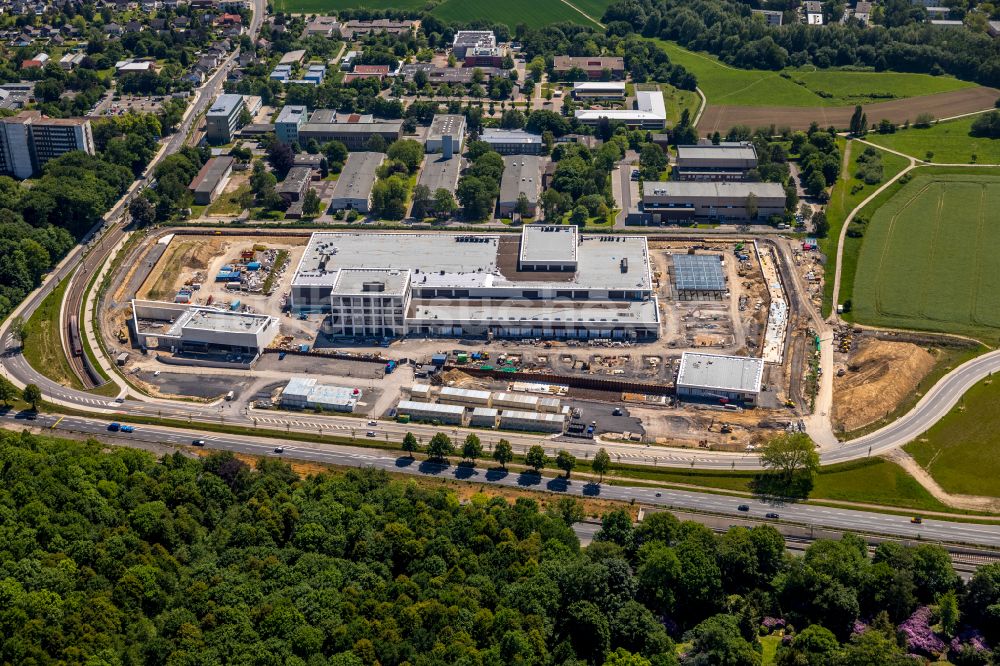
(917, 520)
(617, 411)
(373, 423)
(114, 427)
(772, 515)
(127, 428)
(371, 433)
(743, 507)
(156, 374)
(279, 449)
(198, 442)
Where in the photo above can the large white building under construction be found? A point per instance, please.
(548, 282)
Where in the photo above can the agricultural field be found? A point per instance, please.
(531, 12)
(730, 86)
(928, 257)
(949, 141)
(962, 450)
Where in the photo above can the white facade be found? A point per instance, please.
(429, 411)
(531, 421)
(191, 327)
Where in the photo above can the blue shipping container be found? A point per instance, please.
(253, 266)
(439, 359)
(235, 306)
(227, 276)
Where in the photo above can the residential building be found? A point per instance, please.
(466, 40)
(29, 140)
(719, 379)
(223, 118)
(357, 28)
(727, 161)
(353, 190)
(512, 142)
(446, 128)
(522, 174)
(211, 179)
(649, 112)
(611, 68)
(688, 201)
(461, 284)
(771, 18)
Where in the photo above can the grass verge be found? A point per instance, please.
(43, 348)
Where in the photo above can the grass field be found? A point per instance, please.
(962, 450)
(842, 202)
(43, 348)
(677, 100)
(531, 12)
(727, 85)
(928, 257)
(949, 141)
(228, 203)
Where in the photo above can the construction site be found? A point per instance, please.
(725, 298)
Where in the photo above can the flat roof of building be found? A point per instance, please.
(649, 105)
(740, 374)
(521, 173)
(408, 406)
(599, 86)
(439, 173)
(694, 188)
(724, 151)
(292, 113)
(455, 392)
(292, 57)
(555, 312)
(223, 321)
(454, 260)
(493, 135)
(358, 176)
(225, 104)
(371, 282)
(297, 179)
(446, 123)
(545, 243)
(698, 272)
(547, 417)
(588, 62)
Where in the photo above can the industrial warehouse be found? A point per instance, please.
(185, 327)
(550, 282)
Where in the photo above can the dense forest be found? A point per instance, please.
(727, 29)
(111, 556)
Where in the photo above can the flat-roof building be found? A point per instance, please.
(309, 393)
(353, 130)
(223, 118)
(450, 75)
(431, 411)
(649, 112)
(293, 188)
(293, 57)
(484, 417)
(211, 179)
(686, 201)
(611, 68)
(614, 90)
(511, 419)
(718, 378)
(446, 134)
(512, 142)
(730, 161)
(353, 190)
(439, 172)
(521, 175)
(771, 17)
(186, 327)
(471, 39)
(453, 284)
(29, 140)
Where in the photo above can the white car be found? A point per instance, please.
(156, 374)
(373, 423)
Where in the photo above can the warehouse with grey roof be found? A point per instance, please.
(719, 379)
(521, 175)
(353, 190)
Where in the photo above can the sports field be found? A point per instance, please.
(511, 12)
(949, 141)
(930, 256)
(730, 86)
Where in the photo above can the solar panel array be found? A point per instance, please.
(698, 272)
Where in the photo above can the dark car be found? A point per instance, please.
(743, 507)
(198, 442)
(772, 516)
(916, 520)
(279, 449)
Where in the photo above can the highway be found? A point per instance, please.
(347, 456)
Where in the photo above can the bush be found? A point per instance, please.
(923, 121)
(987, 125)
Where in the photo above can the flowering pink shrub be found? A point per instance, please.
(920, 637)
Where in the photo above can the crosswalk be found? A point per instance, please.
(303, 424)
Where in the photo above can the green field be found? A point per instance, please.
(512, 12)
(727, 85)
(962, 450)
(842, 202)
(928, 258)
(949, 141)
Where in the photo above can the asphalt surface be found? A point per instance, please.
(931, 530)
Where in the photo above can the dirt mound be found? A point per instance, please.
(880, 375)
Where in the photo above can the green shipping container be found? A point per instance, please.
(403, 418)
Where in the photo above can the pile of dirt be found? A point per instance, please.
(880, 375)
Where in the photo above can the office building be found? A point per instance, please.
(290, 119)
(551, 282)
(483, 56)
(611, 68)
(722, 162)
(599, 90)
(649, 112)
(719, 379)
(293, 188)
(446, 128)
(353, 190)
(466, 40)
(688, 201)
(309, 393)
(223, 118)
(353, 130)
(521, 175)
(185, 327)
(512, 142)
(432, 412)
(29, 140)
(211, 180)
